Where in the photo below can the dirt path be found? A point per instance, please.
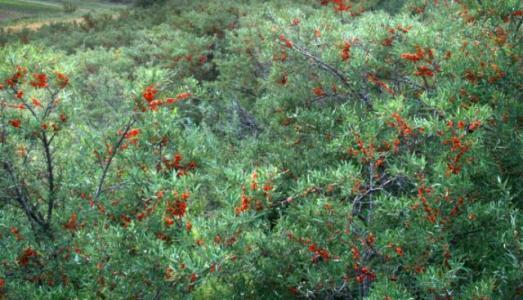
(43, 3)
(34, 26)
(37, 25)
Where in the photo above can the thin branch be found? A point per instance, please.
(111, 157)
(426, 83)
(357, 202)
(371, 187)
(50, 104)
(368, 252)
(50, 175)
(322, 99)
(30, 211)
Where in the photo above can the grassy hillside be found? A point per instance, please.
(27, 11)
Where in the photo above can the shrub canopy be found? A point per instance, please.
(265, 149)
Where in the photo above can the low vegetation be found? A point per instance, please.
(264, 150)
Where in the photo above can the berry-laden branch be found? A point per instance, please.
(46, 144)
(148, 103)
(330, 69)
(16, 85)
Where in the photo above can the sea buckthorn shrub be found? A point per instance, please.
(320, 149)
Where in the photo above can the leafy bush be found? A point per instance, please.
(265, 150)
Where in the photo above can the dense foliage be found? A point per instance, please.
(265, 149)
